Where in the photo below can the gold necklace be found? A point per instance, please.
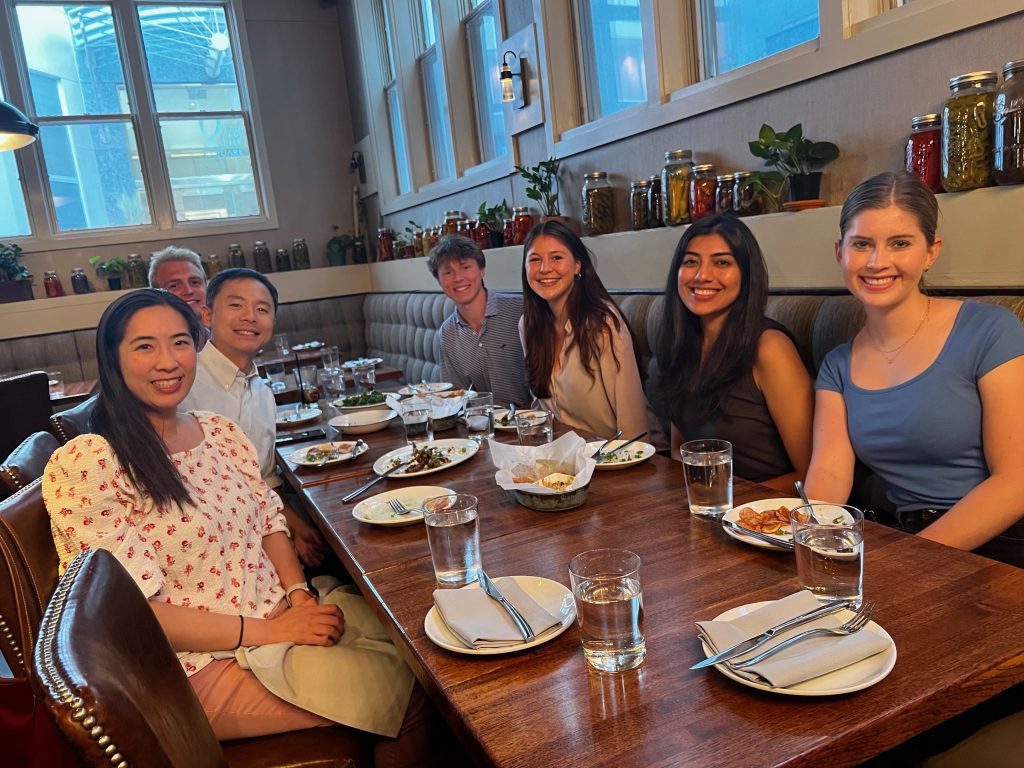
(891, 354)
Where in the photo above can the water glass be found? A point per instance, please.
(418, 423)
(708, 468)
(56, 384)
(273, 370)
(331, 383)
(453, 532)
(480, 416)
(830, 551)
(609, 608)
(331, 358)
(281, 343)
(305, 380)
(365, 378)
(535, 427)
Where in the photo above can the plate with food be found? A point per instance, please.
(294, 414)
(374, 361)
(325, 454)
(364, 401)
(427, 457)
(377, 510)
(505, 419)
(770, 516)
(633, 454)
(426, 388)
(447, 394)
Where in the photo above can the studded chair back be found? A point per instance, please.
(26, 462)
(72, 422)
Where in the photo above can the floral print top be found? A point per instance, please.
(208, 555)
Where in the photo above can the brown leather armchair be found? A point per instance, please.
(72, 422)
(27, 408)
(112, 684)
(26, 462)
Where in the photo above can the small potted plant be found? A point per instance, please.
(542, 186)
(110, 270)
(795, 157)
(15, 280)
(494, 218)
(338, 247)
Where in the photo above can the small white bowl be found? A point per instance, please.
(363, 422)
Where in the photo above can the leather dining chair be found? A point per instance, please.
(27, 409)
(72, 422)
(26, 462)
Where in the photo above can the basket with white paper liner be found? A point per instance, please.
(548, 478)
(444, 411)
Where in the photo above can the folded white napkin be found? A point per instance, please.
(804, 660)
(482, 622)
(440, 407)
(569, 450)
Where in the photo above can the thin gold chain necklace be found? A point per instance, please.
(891, 354)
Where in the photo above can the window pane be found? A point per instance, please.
(398, 140)
(95, 175)
(613, 52)
(427, 19)
(210, 167)
(73, 60)
(737, 32)
(482, 33)
(191, 64)
(437, 114)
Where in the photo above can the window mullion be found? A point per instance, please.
(410, 95)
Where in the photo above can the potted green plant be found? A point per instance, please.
(15, 280)
(338, 247)
(494, 217)
(542, 186)
(110, 270)
(797, 158)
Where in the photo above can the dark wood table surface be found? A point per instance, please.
(75, 392)
(957, 621)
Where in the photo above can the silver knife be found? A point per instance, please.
(618, 448)
(757, 535)
(492, 591)
(360, 489)
(756, 642)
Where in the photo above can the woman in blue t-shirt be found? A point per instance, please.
(927, 393)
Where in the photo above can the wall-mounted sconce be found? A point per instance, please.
(357, 164)
(15, 129)
(512, 92)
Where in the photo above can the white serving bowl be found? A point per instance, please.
(363, 422)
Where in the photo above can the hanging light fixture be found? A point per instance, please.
(510, 94)
(15, 129)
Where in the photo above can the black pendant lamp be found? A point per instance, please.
(15, 129)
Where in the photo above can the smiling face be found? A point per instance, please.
(184, 279)
(241, 320)
(709, 279)
(883, 255)
(158, 358)
(551, 271)
(462, 280)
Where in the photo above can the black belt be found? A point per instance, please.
(915, 520)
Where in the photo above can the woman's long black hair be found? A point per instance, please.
(683, 374)
(589, 307)
(120, 417)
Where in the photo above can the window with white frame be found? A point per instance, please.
(393, 99)
(13, 214)
(435, 97)
(612, 52)
(738, 32)
(482, 37)
(130, 147)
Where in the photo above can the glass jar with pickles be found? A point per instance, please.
(300, 253)
(924, 150)
(746, 198)
(702, 191)
(236, 256)
(282, 261)
(675, 187)
(261, 258)
(723, 192)
(213, 265)
(1009, 128)
(385, 245)
(638, 191)
(522, 223)
(79, 281)
(654, 206)
(138, 275)
(598, 207)
(967, 132)
(451, 222)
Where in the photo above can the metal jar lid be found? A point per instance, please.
(679, 154)
(1013, 67)
(926, 121)
(520, 209)
(639, 184)
(704, 168)
(595, 175)
(984, 77)
(49, 274)
(743, 175)
(727, 177)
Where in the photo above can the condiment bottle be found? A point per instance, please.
(724, 187)
(282, 263)
(385, 245)
(924, 150)
(138, 276)
(236, 256)
(522, 223)
(51, 283)
(654, 204)
(300, 253)
(967, 135)
(675, 187)
(261, 258)
(638, 191)
(702, 191)
(79, 280)
(1008, 157)
(598, 206)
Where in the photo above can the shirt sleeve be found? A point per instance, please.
(830, 376)
(92, 505)
(625, 393)
(1001, 339)
(269, 501)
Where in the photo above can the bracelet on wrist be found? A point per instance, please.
(241, 631)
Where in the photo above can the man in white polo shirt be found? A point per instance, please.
(480, 347)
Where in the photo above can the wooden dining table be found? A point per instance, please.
(957, 621)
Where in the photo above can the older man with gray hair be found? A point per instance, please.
(179, 271)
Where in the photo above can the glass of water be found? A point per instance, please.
(365, 378)
(418, 423)
(708, 468)
(453, 532)
(535, 427)
(480, 416)
(282, 344)
(829, 541)
(331, 358)
(274, 372)
(57, 385)
(609, 608)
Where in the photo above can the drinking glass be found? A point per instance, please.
(609, 608)
(284, 348)
(830, 551)
(274, 372)
(480, 416)
(708, 468)
(418, 423)
(331, 358)
(534, 427)
(365, 377)
(305, 380)
(56, 383)
(453, 532)
(331, 383)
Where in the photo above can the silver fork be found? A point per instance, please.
(399, 507)
(857, 622)
(604, 445)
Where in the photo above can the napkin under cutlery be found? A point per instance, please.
(480, 622)
(806, 659)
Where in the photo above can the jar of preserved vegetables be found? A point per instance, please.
(508, 232)
(79, 280)
(675, 187)
(967, 131)
(724, 186)
(522, 223)
(213, 265)
(924, 150)
(385, 245)
(433, 238)
(598, 207)
(282, 262)
(51, 283)
(702, 191)
(654, 206)
(1009, 126)
(236, 256)
(418, 243)
(261, 258)
(482, 235)
(300, 253)
(638, 191)
(138, 276)
(451, 222)
(746, 199)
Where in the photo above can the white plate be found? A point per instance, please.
(357, 448)
(288, 415)
(376, 510)
(637, 453)
(550, 594)
(419, 389)
(363, 422)
(786, 532)
(500, 413)
(458, 449)
(856, 677)
(374, 361)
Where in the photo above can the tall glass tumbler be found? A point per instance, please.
(609, 608)
(480, 416)
(708, 468)
(829, 542)
(453, 533)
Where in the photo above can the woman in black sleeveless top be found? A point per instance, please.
(727, 371)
